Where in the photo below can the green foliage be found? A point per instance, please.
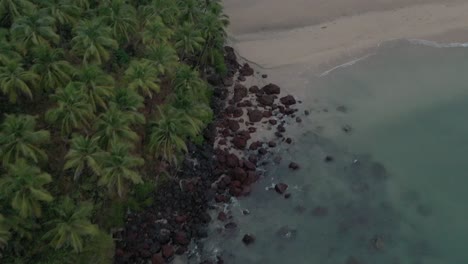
(98, 249)
(97, 85)
(129, 101)
(23, 186)
(49, 64)
(163, 57)
(4, 232)
(71, 226)
(20, 140)
(121, 17)
(188, 39)
(141, 75)
(64, 11)
(156, 32)
(72, 110)
(12, 9)
(83, 155)
(16, 81)
(119, 167)
(34, 29)
(114, 126)
(93, 41)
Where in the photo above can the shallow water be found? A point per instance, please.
(396, 189)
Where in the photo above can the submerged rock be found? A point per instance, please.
(293, 166)
(288, 100)
(281, 187)
(248, 239)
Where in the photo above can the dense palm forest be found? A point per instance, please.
(97, 102)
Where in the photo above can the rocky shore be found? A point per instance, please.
(249, 122)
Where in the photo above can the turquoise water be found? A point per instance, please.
(396, 191)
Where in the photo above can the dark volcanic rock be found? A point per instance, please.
(281, 128)
(329, 159)
(157, 259)
(246, 70)
(232, 160)
(248, 239)
(255, 115)
(233, 125)
(273, 121)
(267, 100)
(255, 145)
(288, 100)
(230, 225)
(181, 238)
(264, 76)
(298, 119)
(271, 89)
(167, 251)
(228, 81)
(272, 144)
(222, 216)
(289, 140)
(241, 78)
(281, 188)
(237, 112)
(306, 112)
(293, 166)
(240, 91)
(164, 236)
(254, 89)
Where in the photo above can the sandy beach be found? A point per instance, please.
(323, 34)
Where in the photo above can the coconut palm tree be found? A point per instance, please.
(72, 111)
(71, 225)
(50, 65)
(213, 31)
(83, 155)
(141, 75)
(190, 10)
(64, 11)
(197, 113)
(129, 101)
(163, 56)
(188, 40)
(97, 85)
(4, 232)
(188, 81)
(12, 9)
(166, 9)
(168, 135)
(16, 81)
(119, 167)
(114, 126)
(34, 29)
(8, 52)
(23, 185)
(121, 17)
(93, 41)
(156, 32)
(20, 140)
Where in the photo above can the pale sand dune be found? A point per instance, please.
(324, 33)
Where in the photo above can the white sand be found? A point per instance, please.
(323, 33)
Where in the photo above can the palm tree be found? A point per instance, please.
(163, 56)
(119, 167)
(83, 154)
(20, 140)
(4, 232)
(71, 226)
(12, 9)
(129, 101)
(64, 11)
(168, 135)
(33, 30)
(188, 40)
(190, 10)
(72, 111)
(7, 52)
(121, 17)
(114, 125)
(93, 41)
(53, 70)
(197, 113)
(23, 184)
(143, 76)
(156, 32)
(166, 9)
(213, 31)
(188, 81)
(97, 85)
(16, 81)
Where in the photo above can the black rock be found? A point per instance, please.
(248, 239)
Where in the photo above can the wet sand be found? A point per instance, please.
(321, 34)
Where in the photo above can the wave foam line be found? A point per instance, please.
(347, 64)
(435, 44)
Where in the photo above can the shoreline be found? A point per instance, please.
(344, 38)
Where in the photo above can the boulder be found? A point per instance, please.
(167, 251)
(288, 100)
(232, 160)
(240, 91)
(230, 225)
(222, 216)
(255, 145)
(246, 70)
(241, 78)
(281, 188)
(248, 239)
(266, 100)
(329, 158)
(271, 89)
(157, 259)
(237, 112)
(254, 89)
(272, 144)
(233, 125)
(272, 121)
(181, 238)
(289, 140)
(293, 166)
(255, 115)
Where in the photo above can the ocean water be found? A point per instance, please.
(396, 190)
